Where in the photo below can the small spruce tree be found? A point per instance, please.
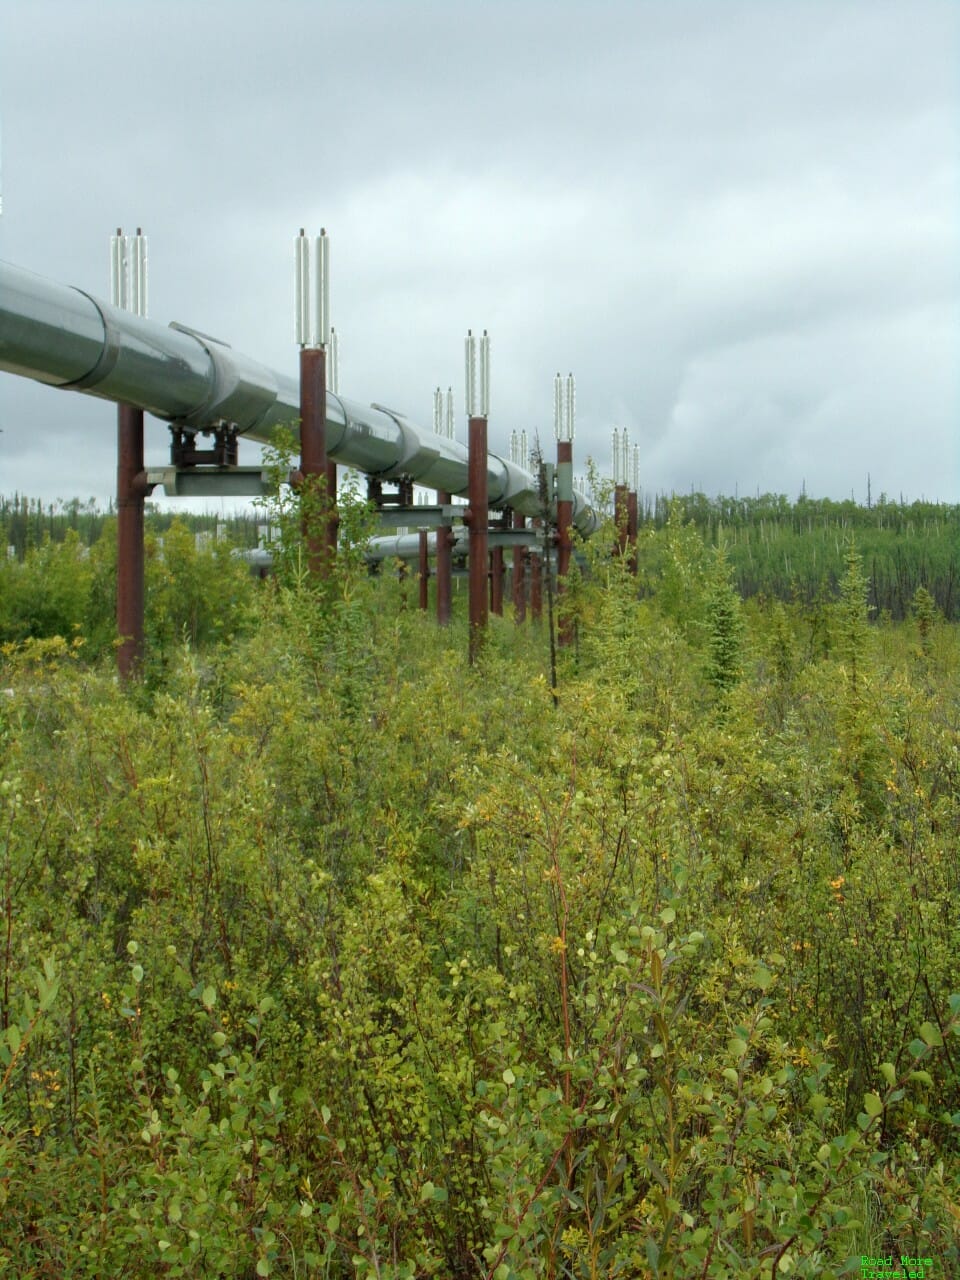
(925, 612)
(852, 629)
(724, 625)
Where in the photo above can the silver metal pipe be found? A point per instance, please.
(470, 373)
(402, 545)
(138, 302)
(66, 338)
(406, 546)
(302, 301)
(485, 375)
(116, 268)
(322, 337)
(333, 372)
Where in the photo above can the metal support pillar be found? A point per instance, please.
(496, 581)
(424, 567)
(564, 509)
(564, 531)
(519, 574)
(444, 566)
(314, 466)
(131, 491)
(632, 523)
(620, 516)
(476, 520)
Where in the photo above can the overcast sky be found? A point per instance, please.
(736, 221)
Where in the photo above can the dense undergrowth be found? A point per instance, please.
(322, 954)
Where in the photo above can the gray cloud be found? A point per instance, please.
(737, 223)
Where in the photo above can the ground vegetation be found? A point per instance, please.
(325, 954)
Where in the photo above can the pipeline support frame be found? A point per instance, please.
(477, 518)
(132, 489)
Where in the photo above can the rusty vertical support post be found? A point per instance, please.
(444, 567)
(564, 509)
(632, 523)
(424, 567)
(496, 580)
(620, 516)
(519, 574)
(478, 517)
(131, 489)
(313, 456)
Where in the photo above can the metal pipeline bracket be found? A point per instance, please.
(211, 482)
(420, 517)
(403, 497)
(208, 473)
(184, 453)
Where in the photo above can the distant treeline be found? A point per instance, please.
(27, 522)
(803, 514)
(795, 550)
(780, 549)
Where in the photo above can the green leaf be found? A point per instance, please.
(931, 1035)
(508, 1077)
(47, 989)
(872, 1104)
(762, 977)
(888, 1071)
(209, 997)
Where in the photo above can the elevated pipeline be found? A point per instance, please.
(71, 340)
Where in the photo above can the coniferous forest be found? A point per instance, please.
(323, 954)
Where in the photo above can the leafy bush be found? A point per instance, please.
(324, 953)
